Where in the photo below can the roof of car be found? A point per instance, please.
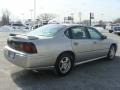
(72, 25)
(69, 25)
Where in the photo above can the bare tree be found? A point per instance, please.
(117, 20)
(46, 17)
(101, 22)
(86, 22)
(19, 22)
(5, 17)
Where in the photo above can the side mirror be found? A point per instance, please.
(104, 37)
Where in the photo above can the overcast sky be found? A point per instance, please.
(103, 9)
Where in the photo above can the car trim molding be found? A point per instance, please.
(78, 63)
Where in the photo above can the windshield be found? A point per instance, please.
(46, 30)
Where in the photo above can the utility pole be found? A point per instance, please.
(79, 16)
(34, 10)
(22, 16)
(72, 15)
(91, 17)
(102, 16)
(31, 11)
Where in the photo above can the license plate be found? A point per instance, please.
(11, 54)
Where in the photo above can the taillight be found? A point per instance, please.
(28, 48)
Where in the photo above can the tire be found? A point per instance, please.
(118, 34)
(110, 31)
(112, 52)
(64, 64)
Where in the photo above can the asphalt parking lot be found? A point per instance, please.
(97, 75)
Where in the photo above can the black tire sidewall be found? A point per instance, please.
(108, 56)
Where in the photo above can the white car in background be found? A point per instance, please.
(101, 29)
(19, 26)
(117, 30)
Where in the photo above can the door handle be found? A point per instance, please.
(75, 43)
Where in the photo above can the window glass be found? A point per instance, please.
(46, 30)
(67, 33)
(94, 34)
(79, 33)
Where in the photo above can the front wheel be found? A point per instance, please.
(64, 64)
(118, 34)
(112, 52)
(110, 31)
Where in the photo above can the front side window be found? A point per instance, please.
(79, 33)
(94, 34)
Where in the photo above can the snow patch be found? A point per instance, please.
(10, 29)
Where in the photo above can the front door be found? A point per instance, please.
(81, 43)
(100, 45)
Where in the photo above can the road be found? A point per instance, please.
(97, 75)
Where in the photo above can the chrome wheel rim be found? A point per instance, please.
(112, 53)
(65, 64)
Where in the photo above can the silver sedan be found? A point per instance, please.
(58, 46)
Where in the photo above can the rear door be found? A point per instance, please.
(81, 43)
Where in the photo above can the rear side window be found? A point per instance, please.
(46, 30)
(79, 33)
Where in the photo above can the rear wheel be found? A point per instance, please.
(112, 52)
(64, 64)
(118, 34)
(110, 31)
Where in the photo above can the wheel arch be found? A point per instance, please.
(114, 44)
(70, 52)
(57, 62)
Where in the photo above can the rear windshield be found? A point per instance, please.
(46, 30)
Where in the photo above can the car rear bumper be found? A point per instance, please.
(27, 61)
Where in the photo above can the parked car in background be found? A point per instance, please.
(17, 26)
(58, 46)
(110, 27)
(102, 26)
(36, 26)
(101, 29)
(117, 30)
(113, 27)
